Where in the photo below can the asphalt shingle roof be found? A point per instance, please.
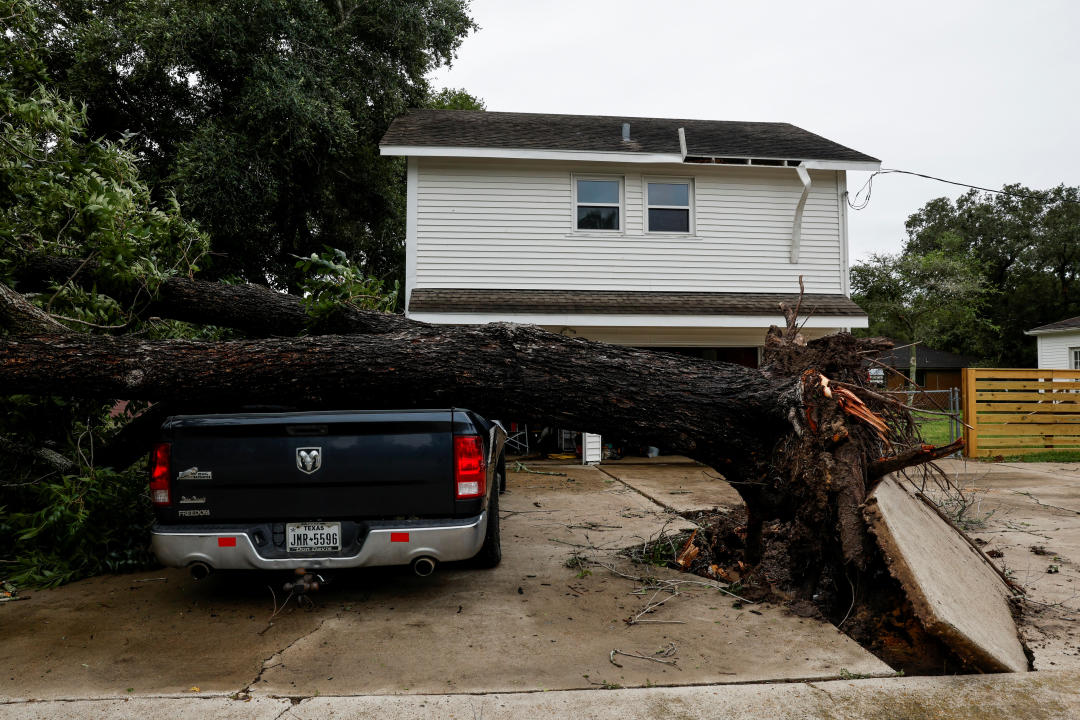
(623, 303)
(1067, 324)
(599, 133)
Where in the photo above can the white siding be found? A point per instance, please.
(1054, 349)
(508, 224)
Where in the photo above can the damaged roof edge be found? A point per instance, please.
(624, 157)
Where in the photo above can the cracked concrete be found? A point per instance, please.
(1028, 515)
(268, 662)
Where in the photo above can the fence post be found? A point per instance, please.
(971, 432)
(954, 411)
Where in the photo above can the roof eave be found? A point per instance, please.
(1051, 331)
(611, 156)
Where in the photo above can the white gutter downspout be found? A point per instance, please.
(682, 143)
(796, 228)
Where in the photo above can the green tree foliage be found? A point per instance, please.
(919, 298)
(454, 99)
(1024, 248)
(262, 118)
(262, 115)
(330, 281)
(65, 194)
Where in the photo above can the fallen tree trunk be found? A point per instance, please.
(712, 411)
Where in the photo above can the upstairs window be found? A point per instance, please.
(598, 203)
(668, 206)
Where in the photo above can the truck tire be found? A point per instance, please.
(491, 552)
(502, 474)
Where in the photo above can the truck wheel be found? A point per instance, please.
(502, 474)
(491, 552)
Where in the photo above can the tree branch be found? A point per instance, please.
(253, 309)
(43, 454)
(21, 317)
(918, 455)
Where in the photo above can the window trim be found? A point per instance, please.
(621, 205)
(1074, 355)
(691, 197)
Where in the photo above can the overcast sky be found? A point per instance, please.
(983, 92)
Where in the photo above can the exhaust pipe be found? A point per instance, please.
(423, 566)
(199, 570)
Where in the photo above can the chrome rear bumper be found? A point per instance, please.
(224, 547)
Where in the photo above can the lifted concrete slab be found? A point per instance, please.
(955, 592)
(1028, 516)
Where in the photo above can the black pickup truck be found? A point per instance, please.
(324, 490)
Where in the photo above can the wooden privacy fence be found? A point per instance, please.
(1013, 412)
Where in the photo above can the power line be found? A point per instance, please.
(855, 202)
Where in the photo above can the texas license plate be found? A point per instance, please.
(313, 537)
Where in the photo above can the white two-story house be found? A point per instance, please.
(682, 234)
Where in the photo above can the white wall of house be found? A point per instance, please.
(495, 223)
(1054, 350)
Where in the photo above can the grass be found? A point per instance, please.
(1040, 456)
(934, 428)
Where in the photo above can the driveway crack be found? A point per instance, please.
(278, 654)
(642, 493)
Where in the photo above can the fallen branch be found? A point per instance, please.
(21, 317)
(254, 309)
(651, 606)
(913, 456)
(661, 660)
(520, 467)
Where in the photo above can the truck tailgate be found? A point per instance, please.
(307, 466)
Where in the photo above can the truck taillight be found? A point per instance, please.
(160, 471)
(470, 469)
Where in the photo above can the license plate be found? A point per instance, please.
(313, 537)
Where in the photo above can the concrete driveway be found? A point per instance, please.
(389, 644)
(531, 624)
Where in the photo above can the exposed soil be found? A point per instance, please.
(882, 621)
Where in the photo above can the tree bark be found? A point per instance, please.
(714, 412)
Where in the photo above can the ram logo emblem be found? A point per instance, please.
(309, 459)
